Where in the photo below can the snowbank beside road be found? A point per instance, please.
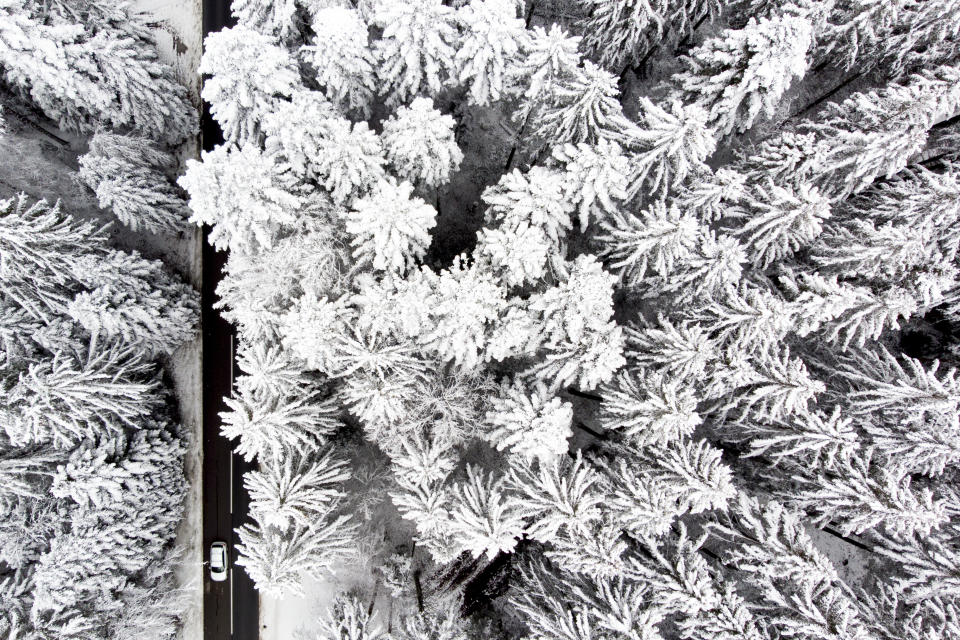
(179, 39)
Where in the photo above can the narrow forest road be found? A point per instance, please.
(231, 609)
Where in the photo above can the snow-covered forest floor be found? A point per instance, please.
(179, 40)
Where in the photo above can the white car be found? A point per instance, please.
(219, 561)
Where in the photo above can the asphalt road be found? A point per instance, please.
(231, 608)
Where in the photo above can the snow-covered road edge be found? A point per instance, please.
(179, 37)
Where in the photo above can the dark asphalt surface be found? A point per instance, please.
(231, 608)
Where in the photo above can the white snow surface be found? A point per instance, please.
(293, 616)
(179, 39)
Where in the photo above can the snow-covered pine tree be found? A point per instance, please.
(529, 422)
(133, 300)
(528, 216)
(558, 494)
(416, 49)
(670, 146)
(128, 175)
(73, 396)
(275, 18)
(277, 559)
(868, 136)
(349, 618)
(420, 145)
(552, 58)
(691, 470)
(558, 605)
(257, 288)
(684, 586)
(483, 519)
(748, 319)
(596, 178)
(810, 437)
(896, 36)
(466, 301)
(273, 425)
(741, 74)
(443, 622)
(680, 351)
(618, 32)
(295, 489)
(319, 145)
(649, 409)
(848, 314)
(125, 499)
(583, 107)
(40, 246)
(341, 56)
(390, 228)
(534, 198)
(778, 222)
(656, 240)
(54, 267)
(582, 343)
(249, 75)
(245, 195)
(492, 39)
(909, 392)
(928, 566)
(776, 556)
(81, 74)
(857, 494)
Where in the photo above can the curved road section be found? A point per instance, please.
(231, 609)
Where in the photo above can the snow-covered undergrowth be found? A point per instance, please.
(91, 455)
(573, 319)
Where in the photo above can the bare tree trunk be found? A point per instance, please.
(583, 394)
(373, 598)
(533, 5)
(596, 434)
(516, 143)
(416, 583)
(825, 96)
(848, 539)
(693, 30)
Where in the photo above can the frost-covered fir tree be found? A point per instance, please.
(54, 266)
(276, 559)
(493, 38)
(135, 301)
(341, 55)
(530, 423)
(243, 194)
(81, 71)
(250, 75)
(390, 227)
(740, 75)
(583, 108)
(597, 177)
(420, 145)
(416, 50)
(128, 176)
(672, 143)
(483, 520)
(620, 31)
(276, 18)
(583, 343)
